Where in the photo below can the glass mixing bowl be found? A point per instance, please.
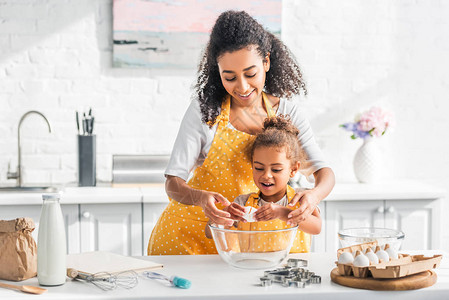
(253, 249)
(354, 236)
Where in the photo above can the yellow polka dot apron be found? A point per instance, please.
(226, 170)
(271, 242)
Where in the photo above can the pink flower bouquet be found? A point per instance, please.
(371, 123)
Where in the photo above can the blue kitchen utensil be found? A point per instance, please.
(173, 280)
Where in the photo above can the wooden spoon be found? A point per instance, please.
(24, 288)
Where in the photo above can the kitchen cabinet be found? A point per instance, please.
(69, 212)
(113, 227)
(418, 219)
(92, 227)
(319, 241)
(349, 214)
(121, 220)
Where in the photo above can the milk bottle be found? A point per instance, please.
(51, 243)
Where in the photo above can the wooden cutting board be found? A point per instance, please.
(95, 262)
(411, 282)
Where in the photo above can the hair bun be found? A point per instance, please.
(281, 122)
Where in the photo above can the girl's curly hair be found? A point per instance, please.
(235, 30)
(279, 132)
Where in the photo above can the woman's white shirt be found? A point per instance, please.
(195, 139)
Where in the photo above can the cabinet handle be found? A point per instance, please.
(391, 209)
(86, 214)
(381, 210)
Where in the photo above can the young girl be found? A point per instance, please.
(245, 75)
(275, 156)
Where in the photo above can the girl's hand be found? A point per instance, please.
(217, 216)
(268, 212)
(308, 202)
(236, 210)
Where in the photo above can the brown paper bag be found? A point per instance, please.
(18, 251)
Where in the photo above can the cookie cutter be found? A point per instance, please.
(292, 274)
(296, 262)
(298, 284)
(265, 281)
(315, 279)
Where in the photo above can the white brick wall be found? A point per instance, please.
(55, 57)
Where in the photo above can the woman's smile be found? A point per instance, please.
(246, 96)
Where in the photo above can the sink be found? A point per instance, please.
(29, 189)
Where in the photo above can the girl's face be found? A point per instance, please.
(243, 75)
(271, 172)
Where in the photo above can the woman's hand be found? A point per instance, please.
(308, 202)
(237, 211)
(207, 201)
(178, 190)
(309, 199)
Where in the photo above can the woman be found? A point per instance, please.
(244, 76)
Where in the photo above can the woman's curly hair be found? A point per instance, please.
(233, 31)
(279, 132)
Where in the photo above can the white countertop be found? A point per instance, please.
(390, 190)
(88, 195)
(212, 278)
(155, 193)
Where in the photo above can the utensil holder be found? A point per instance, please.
(87, 160)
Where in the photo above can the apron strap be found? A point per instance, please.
(253, 199)
(226, 109)
(268, 107)
(223, 117)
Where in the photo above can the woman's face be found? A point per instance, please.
(243, 75)
(272, 171)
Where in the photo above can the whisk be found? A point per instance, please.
(106, 281)
(173, 280)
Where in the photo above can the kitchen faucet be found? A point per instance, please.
(18, 173)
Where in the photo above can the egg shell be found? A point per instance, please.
(391, 252)
(382, 255)
(345, 258)
(250, 214)
(372, 257)
(361, 260)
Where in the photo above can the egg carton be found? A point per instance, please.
(354, 248)
(403, 266)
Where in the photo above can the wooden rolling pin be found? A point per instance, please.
(73, 273)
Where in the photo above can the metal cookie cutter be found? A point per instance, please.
(291, 275)
(306, 274)
(315, 279)
(287, 280)
(296, 262)
(297, 283)
(265, 281)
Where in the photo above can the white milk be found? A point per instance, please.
(51, 246)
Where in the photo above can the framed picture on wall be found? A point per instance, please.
(171, 34)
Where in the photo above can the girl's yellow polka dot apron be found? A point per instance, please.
(226, 170)
(264, 243)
